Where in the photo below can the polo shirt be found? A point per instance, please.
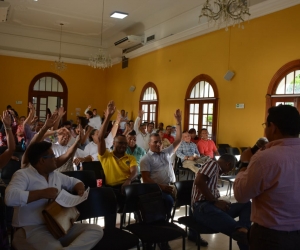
(116, 170)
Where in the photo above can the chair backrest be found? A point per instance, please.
(233, 151)
(9, 169)
(223, 145)
(184, 192)
(96, 167)
(134, 191)
(86, 176)
(222, 151)
(101, 202)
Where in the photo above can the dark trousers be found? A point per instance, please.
(262, 238)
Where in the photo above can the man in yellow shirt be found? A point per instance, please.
(119, 168)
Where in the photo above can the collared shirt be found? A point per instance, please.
(138, 153)
(206, 147)
(159, 165)
(29, 134)
(59, 150)
(92, 148)
(212, 170)
(142, 140)
(187, 149)
(116, 170)
(272, 181)
(29, 179)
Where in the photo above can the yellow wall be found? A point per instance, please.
(256, 53)
(83, 84)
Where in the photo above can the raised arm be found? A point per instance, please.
(30, 115)
(11, 146)
(87, 109)
(138, 120)
(39, 136)
(178, 117)
(61, 112)
(110, 110)
(116, 125)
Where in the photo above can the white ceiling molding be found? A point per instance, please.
(171, 24)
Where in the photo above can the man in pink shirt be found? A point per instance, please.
(206, 146)
(272, 181)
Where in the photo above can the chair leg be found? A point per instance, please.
(230, 243)
(183, 242)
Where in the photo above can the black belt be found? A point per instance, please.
(278, 231)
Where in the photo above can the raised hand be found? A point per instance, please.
(178, 115)
(51, 120)
(111, 108)
(6, 119)
(61, 111)
(89, 107)
(141, 113)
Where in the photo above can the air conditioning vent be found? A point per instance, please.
(128, 42)
(132, 48)
(150, 38)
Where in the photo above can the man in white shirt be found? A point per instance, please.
(142, 137)
(29, 192)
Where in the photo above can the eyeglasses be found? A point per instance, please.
(264, 125)
(48, 156)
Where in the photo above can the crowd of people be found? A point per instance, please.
(135, 151)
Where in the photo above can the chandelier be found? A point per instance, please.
(230, 12)
(100, 60)
(60, 65)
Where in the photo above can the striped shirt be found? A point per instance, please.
(211, 169)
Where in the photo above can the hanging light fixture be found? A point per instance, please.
(101, 60)
(60, 65)
(230, 12)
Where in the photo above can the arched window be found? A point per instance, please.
(149, 103)
(284, 87)
(47, 90)
(201, 105)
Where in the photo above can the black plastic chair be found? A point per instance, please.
(87, 177)
(151, 232)
(102, 202)
(97, 168)
(233, 150)
(184, 191)
(9, 169)
(178, 168)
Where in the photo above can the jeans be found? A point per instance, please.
(207, 214)
(168, 202)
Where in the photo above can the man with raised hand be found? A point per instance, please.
(119, 168)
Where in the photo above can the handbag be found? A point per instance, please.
(151, 206)
(59, 219)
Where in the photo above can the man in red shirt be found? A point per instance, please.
(206, 146)
(168, 134)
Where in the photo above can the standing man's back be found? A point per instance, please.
(272, 181)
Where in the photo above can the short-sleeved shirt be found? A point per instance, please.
(116, 170)
(159, 165)
(212, 170)
(138, 153)
(207, 147)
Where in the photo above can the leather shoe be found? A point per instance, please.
(203, 242)
(164, 246)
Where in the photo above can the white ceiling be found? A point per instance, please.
(33, 29)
